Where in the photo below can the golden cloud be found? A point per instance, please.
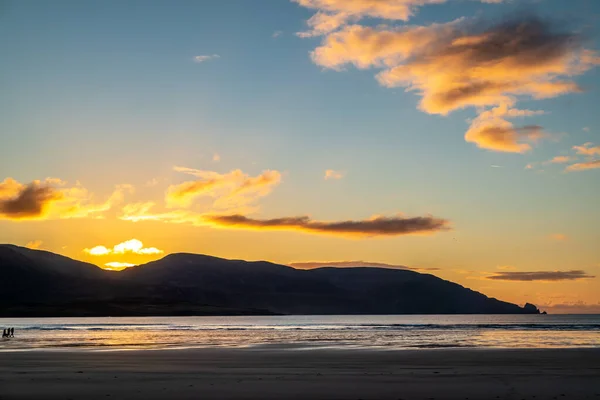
(588, 149)
(49, 200)
(98, 251)
(34, 244)
(331, 174)
(500, 135)
(234, 190)
(594, 164)
(559, 160)
(132, 246)
(559, 237)
(377, 226)
(138, 212)
(118, 266)
(332, 14)
(457, 65)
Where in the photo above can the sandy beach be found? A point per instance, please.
(301, 374)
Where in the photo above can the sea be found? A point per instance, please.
(303, 332)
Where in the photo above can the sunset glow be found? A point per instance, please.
(454, 138)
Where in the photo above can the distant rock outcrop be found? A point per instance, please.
(39, 283)
(531, 309)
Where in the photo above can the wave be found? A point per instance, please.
(309, 327)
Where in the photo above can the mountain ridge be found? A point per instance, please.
(42, 283)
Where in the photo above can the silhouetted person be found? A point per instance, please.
(4, 333)
(12, 332)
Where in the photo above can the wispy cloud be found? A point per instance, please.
(343, 264)
(201, 59)
(34, 244)
(583, 166)
(558, 237)
(588, 149)
(459, 65)
(216, 157)
(331, 174)
(333, 14)
(506, 268)
(540, 276)
(276, 34)
(231, 191)
(152, 182)
(374, 227)
(132, 246)
(144, 211)
(559, 160)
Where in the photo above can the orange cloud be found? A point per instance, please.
(331, 174)
(377, 226)
(456, 65)
(234, 190)
(492, 131)
(132, 246)
(34, 244)
(559, 237)
(332, 14)
(49, 200)
(583, 166)
(559, 160)
(32, 201)
(588, 149)
(10, 188)
(501, 135)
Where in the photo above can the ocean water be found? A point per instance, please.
(305, 332)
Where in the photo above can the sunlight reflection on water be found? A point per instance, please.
(386, 332)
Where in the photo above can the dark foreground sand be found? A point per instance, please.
(301, 374)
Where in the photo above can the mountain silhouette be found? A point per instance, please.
(40, 283)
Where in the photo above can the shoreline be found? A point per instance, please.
(289, 347)
(259, 373)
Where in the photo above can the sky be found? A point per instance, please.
(454, 137)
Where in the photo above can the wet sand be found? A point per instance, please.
(301, 374)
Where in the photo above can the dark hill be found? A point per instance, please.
(42, 283)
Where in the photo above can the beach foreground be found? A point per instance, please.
(301, 374)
